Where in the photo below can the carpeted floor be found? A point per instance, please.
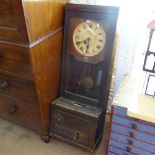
(16, 140)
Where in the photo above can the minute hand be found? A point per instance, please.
(91, 31)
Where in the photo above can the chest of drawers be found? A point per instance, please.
(30, 56)
(128, 135)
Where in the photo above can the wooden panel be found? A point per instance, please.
(18, 89)
(12, 21)
(14, 60)
(43, 17)
(46, 60)
(72, 123)
(19, 113)
(71, 127)
(7, 18)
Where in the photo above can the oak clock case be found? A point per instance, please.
(77, 116)
(86, 57)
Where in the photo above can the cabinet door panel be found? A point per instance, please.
(12, 21)
(7, 16)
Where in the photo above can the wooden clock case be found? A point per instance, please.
(78, 115)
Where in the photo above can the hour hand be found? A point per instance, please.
(83, 41)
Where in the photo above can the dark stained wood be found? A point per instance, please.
(14, 28)
(77, 116)
(75, 124)
(25, 115)
(6, 14)
(22, 90)
(30, 58)
(107, 17)
(14, 60)
(89, 8)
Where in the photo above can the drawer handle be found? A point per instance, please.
(134, 126)
(12, 110)
(130, 142)
(128, 149)
(77, 135)
(132, 134)
(4, 85)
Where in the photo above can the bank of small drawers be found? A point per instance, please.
(129, 135)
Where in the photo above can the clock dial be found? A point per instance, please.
(89, 38)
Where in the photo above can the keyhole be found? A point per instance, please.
(77, 136)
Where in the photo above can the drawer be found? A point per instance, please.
(133, 133)
(128, 148)
(71, 127)
(18, 89)
(25, 115)
(14, 60)
(133, 142)
(131, 123)
(7, 18)
(119, 110)
(116, 151)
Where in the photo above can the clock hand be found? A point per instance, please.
(87, 47)
(91, 31)
(79, 42)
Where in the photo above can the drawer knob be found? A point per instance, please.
(134, 126)
(130, 142)
(77, 135)
(128, 149)
(4, 85)
(12, 110)
(132, 134)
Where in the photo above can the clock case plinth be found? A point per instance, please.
(83, 80)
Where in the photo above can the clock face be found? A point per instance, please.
(89, 38)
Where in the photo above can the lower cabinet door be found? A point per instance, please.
(72, 127)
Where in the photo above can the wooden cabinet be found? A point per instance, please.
(30, 57)
(129, 135)
(76, 124)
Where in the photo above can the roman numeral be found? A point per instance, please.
(84, 26)
(98, 47)
(90, 25)
(77, 37)
(81, 48)
(77, 43)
